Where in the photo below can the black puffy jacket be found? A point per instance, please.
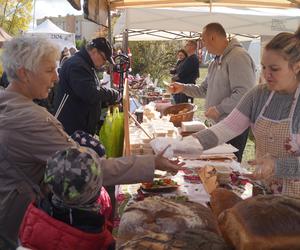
(78, 79)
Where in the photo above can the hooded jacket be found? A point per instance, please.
(79, 80)
(228, 78)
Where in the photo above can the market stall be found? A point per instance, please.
(212, 200)
(207, 198)
(156, 215)
(153, 124)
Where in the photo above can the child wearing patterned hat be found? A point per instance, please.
(71, 218)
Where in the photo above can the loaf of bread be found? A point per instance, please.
(185, 240)
(263, 222)
(222, 199)
(162, 215)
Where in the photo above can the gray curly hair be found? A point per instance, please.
(26, 52)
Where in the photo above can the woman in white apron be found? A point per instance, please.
(276, 139)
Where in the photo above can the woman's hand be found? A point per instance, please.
(175, 87)
(264, 167)
(165, 164)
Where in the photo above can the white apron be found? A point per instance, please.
(271, 136)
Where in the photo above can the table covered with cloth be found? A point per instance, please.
(189, 188)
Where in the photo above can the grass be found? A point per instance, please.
(249, 152)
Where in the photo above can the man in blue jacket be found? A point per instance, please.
(78, 79)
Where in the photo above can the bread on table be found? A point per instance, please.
(222, 199)
(162, 215)
(185, 240)
(263, 222)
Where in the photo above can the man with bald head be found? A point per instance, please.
(230, 75)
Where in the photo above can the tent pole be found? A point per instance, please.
(109, 24)
(34, 20)
(125, 41)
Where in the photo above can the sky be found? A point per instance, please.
(54, 8)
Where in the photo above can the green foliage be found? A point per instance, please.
(16, 15)
(80, 43)
(154, 57)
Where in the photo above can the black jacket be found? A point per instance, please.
(87, 221)
(78, 79)
(188, 71)
(174, 70)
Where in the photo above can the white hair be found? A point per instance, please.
(26, 52)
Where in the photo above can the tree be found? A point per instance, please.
(15, 15)
(154, 57)
(80, 43)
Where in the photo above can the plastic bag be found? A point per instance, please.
(112, 133)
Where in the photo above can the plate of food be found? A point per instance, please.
(160, 185)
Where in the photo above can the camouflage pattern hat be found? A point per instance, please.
(75, 177)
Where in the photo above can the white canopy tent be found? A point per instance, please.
(53, 32)
(184, 23)
(247, 21)
(192, 3)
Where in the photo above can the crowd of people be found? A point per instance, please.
(30, 135)
(51, 174)
(271, 109)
